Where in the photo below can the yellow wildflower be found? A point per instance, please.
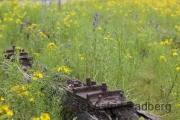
(45, 116)
(108, 38)
(51, 46)
(162, 43)
(178, 68)
(163, 57)
(31, 99)
(37, 54)
(9, 112)
(17, 21)
(67, 25)
(99, 28)
(63, 69)
(138, 29)
(16, 88)
(34, 78)
(81, 56)
(42, 34)
(178, 104)
(36, 119)
(37, 74)
(111, 38)
(39, 94)
(2, 99)
(1, 35)
(18, 48)
(20, 95)
(105, 38)
(25, 93)
(5, 107)
(129, 56)
(166, 42)
(174, 53)
(10, 19)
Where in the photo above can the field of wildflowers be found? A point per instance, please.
(132, 45)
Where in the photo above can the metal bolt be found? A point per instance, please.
(99, 97)
(121, 94)
(104, 87)
(88, 82)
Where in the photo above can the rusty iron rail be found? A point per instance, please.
(23, 57)
(92, 101)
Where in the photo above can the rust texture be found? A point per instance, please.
(91, 101)
(23, 56)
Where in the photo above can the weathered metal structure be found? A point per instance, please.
(23, 56)
(90, 101)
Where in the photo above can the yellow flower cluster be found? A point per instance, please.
(26, 93)
(37, 54)
(166, 42)
(36, 6)
(178, 104)
(42, 34)
(18, 48)
(163, 57)
(31, 99)
(18, 21)
(8, 19)
(37, 75)
(51, 46)
(21, 90)
(64, 69)
(68, 20)
(2, 99)
(178, 68)
(32, 26)
(174, 53)
(5, 111)
(177, 28)
(44, 116)
(108, 38)
(17, 88)
(82, 56)
(99, 28)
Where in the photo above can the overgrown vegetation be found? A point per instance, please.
(132, 45)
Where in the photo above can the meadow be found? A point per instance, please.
(132, 45)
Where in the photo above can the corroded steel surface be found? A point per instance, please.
(90, 101)
(21, 54)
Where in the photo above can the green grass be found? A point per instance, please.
(133, 46)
